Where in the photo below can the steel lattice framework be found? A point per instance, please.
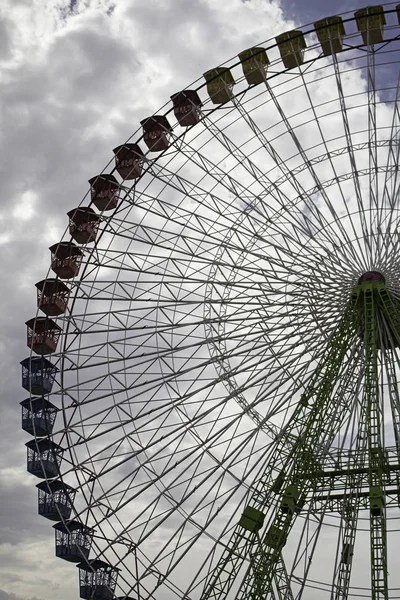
(228, 366)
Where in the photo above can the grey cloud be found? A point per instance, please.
(6, 596)
(6, 35)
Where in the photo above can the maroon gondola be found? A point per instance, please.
(42, 335)
(156, 131)
(52, 297)
(187, 106)
(104, 191)
(83, 224)
(129, 161)
(66, 259)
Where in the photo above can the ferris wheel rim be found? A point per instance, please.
(94, 249)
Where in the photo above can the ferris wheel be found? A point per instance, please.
(214, 372)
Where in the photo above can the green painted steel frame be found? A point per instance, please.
(298, 464)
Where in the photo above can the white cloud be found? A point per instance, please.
(24, 210)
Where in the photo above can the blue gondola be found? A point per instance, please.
(38, 375)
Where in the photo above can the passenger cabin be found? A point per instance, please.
(129, 161)
(291, 46)
(347, 553)
(66, 259)
(42, 335)
(104, 191)
(83, 224)
(38, 375)
(73, 541)
(252, 519)
(330, 32)
(289, 500)
(377, 501)
(38, 416)
(156, 132)
(52, 297)
(43, 458)
(97, 580)
(187, 106)
(55, 500)
(254, 63)
(220, 84)
(370, 23)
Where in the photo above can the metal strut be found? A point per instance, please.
(349, 514)
(372, 297)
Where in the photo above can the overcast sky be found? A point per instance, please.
(76, 79)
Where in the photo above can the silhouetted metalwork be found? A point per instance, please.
(44, 458)
(55, 500)
(38, 416)
(38, 375)
(73, 541)
(97, 580)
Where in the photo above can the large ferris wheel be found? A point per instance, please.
(214, 370)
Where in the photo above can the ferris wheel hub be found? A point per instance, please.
(371, 276)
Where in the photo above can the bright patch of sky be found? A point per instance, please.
(25, 208)
(311, 10)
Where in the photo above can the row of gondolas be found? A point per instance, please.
(56, 498)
